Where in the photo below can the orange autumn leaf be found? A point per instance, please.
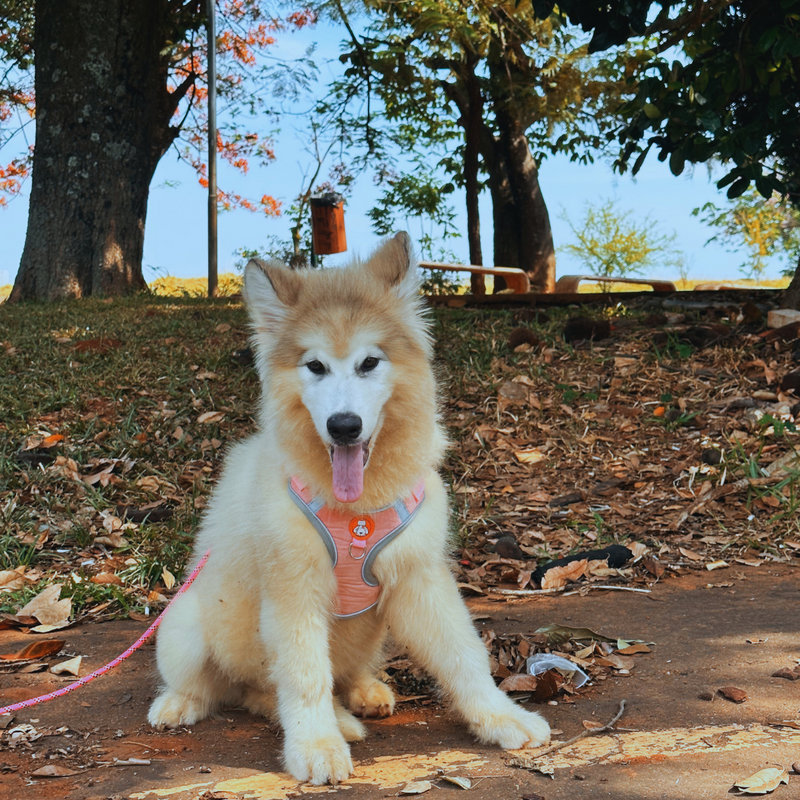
(557, 577)
(36, 650)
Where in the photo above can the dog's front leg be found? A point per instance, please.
(426, 613)
(297, 637)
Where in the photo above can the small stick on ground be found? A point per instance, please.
(583, 735)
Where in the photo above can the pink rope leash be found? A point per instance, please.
(34, 701)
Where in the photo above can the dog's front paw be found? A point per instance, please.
(371, 699)
(173, 710)
(325, 760)
(512, 729)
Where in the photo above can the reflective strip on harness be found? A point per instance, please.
(354, 541)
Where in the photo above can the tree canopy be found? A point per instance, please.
(114, 90)
(493, 90)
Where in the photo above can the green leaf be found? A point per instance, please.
(738, 188)
(767, 39)
(651, 111)
(676, 163)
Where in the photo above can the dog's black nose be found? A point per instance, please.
(344, 428)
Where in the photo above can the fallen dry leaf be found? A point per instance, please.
(557, 577)
(101, 346)
(533, 455)
(113, 539)
(47, 607)
(789, 674)
(633, 649)
(71, 667)
(733, 693)
(655, 567)
(11, 580)
(690, 554)
(105, 578)
(763, 781)
(416, 787)
(53, 771)
(637, 548)
(519, 683)
(36, 650)
(168, 578)
(210, 416)
(464, 783)
(558, 634)
(616, 661)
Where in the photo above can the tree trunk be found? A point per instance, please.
(473, 125)
(522, 234)
(102, 124)
(791, 297)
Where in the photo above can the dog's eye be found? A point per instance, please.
(317, 367)
(368, 364)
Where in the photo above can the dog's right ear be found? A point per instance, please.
(270, 289)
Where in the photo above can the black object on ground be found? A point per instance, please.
(616, 555)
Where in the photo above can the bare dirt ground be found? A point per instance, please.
(732, 627)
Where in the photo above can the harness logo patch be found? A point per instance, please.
(362, 527)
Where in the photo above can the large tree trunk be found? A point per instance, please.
(522, 234)
(791, 297)
(102, 124)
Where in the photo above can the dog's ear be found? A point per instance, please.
(393, 264)
(270, 289)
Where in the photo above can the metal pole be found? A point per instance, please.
(212, 151)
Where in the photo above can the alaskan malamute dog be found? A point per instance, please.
(328, 529)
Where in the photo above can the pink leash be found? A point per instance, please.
(34, 701)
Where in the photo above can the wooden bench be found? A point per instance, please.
(516, 279)
(568, 284)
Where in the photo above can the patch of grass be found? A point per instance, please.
(124, 383)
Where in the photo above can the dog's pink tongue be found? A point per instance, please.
(348, 472)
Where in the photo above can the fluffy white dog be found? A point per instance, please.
(328, 529)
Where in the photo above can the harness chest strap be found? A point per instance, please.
(354, 541)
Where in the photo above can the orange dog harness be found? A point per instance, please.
(354, 541)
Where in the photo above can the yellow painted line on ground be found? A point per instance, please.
(669, 743)
(384, 772)
(389, 772)
(167, 792)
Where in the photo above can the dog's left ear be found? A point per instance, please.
(393, 264)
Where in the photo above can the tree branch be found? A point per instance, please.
(365, 68)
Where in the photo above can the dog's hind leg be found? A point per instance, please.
(193, 687)
(351, 728)
(357, 656)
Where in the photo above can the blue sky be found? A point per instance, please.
(175, 239)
